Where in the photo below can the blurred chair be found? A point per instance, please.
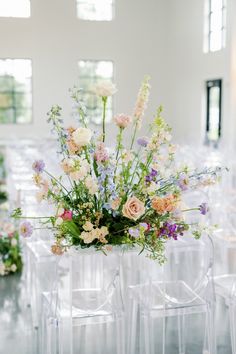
(84, 314)
(181, 287)
(225, 287)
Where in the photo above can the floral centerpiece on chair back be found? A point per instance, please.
(123, 197)
(10, 253)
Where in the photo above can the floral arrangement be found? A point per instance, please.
(10, 255)
(129, 196)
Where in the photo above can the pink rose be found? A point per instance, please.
(67, 215)
(133, 208)
(122, 120)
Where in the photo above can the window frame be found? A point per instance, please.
(14, 92)
(19, 17)
(112, 79)
(222, 29)
(78, 2)
(209, 85)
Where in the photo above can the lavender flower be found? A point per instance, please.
(151, 176)
(203, 208)
(183, 182)
(143, 141)
(134, 232)
(26, 229)
(38, 166)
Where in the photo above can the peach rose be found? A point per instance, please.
(158, 204)
(170, 203)
(133, 208)
(165, 204)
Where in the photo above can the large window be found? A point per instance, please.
(14, 8)
(95, 10)
(216, 25)
(214, 98)
(90, 73)
(15, 91)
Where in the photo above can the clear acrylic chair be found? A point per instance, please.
(225, 287)
(84, 313)
(182, 287)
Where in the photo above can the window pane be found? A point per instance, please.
(215, 41)
(90, 73)
(213, 110)
(95, 10)
(7, 116)
(15, 91)
(14, 8)
(216, 24)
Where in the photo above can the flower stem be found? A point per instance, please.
(104, 100)
(134, 135)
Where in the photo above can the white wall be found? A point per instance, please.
(189, 68)
(55, 40)
(163, 38)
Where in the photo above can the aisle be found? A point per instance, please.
(18, 337)
(16, 333)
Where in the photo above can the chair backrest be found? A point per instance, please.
(83, 273)
(185, 276)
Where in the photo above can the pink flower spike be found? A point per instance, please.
(67, 215)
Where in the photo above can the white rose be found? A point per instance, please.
(13, 267)
(58, 221)
(82, 136)
(105, 89)
(2, 269)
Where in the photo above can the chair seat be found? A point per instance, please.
(167, 298)
(89, 306)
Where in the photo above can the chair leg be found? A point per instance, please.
(210, 342)
(232, 327)
(133, 328)
(148, 342)
(120, 335)
(181, 333)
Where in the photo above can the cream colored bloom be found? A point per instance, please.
(2, 269)
(104, 89)
(67, 165)
(133, 209)
(88, 237)
(79, 175)
(88, 226)
(13, 268)
(58, 221)
(91, 184)
(82, 136)
(14, 242)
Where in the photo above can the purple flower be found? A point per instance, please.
(151, 176)
(153, 173)
(203, 208)
(134, 232)
(26, 229)
(143, 141)
(38, 166)
(171, 230)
